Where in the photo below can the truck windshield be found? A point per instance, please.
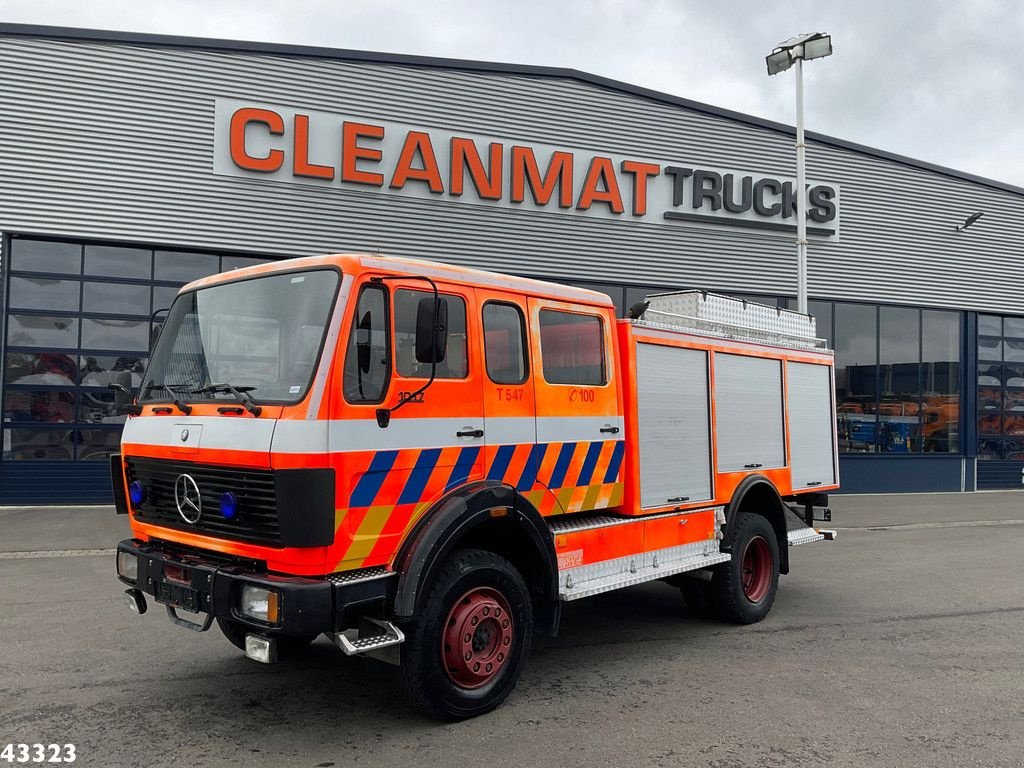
(262, 336)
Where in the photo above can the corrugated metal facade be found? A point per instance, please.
(114, 141)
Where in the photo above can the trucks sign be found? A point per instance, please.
(284, 144)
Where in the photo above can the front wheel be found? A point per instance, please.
(743, 589)
(464, 654)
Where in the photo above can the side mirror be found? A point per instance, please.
(431, 339)
(122, 392)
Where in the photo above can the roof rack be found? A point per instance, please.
(712, 314)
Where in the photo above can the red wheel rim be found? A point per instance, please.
(756, 569)
(477, 639)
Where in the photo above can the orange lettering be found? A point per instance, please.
(417, 143)
(352, 153)
(642, 174)
(275, 126)
(600, 170)
(525, 169)
(300, 159)
(465, 155)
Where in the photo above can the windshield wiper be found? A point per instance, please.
(173, 389)
(240, 393)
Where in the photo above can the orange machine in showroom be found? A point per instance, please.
(423, 461)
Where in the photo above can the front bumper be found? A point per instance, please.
(201, 584)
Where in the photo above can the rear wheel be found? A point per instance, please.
(743, 589)
(464, 655)
(287, 645)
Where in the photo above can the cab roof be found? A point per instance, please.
(358, 264)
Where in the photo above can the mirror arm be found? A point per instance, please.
(384, 414)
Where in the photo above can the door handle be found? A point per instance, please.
(610, 429)
(752, 466)
(470, 433)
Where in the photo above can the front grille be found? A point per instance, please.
(256, 520)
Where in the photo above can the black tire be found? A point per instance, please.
(287, 645)
(697, 596)
(471, 581)
(733, 602)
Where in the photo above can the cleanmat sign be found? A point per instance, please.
(346, 152)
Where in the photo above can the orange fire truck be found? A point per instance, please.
(423, 462)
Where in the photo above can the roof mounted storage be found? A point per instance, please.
(711, 314)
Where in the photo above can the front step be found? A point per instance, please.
(354, 643)
(804, 536)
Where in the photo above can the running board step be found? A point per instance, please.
(805, 536)
(353, 644)
(587, 580)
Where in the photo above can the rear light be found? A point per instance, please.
(261, 604)
(127, 566)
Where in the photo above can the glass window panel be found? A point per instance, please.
(46, 256)
(163, 296)
(822, 313)
(899, 350)
(990, 375)
(1013, 450)
(940, 380)
(43, 293)
(96, 444)
(96, 406)
(1013, 351)
(990, 325)
(183, 267)
(113, 261)
(856, 371)
(504, 343)
(115, 298)
(52, 406)
(1013, 426)
(456, 363)
(42, 331)
(115, 334)
(101, 370)
(990, 449)
(571, 348)
(990, 424)
(1013, 327)
(1014, 375)
(1013, 400)
(228, 263)
(990, 349)
(368, 359)
(34, 444)
(40, 368)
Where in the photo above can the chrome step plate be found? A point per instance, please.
(352, 644)
(803, 536)
(587, 580)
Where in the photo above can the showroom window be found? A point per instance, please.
(897, 376)
(1000, 388)
(78, 320)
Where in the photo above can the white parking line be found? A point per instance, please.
(41, 553)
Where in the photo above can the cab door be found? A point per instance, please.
(434, 440)
(510, 425)
(578, 403)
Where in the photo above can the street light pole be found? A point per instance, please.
(801, 194)
(793, 51)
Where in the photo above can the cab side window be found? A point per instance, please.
(572, 348)
(504, 343)
(367, 360)
(456, 361)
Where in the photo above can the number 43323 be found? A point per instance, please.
(37, 753)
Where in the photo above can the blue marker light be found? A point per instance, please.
(136, 492)
(228, 504)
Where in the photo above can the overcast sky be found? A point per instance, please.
(937, 80)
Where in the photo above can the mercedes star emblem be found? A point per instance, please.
(187, 499)
(184, 435)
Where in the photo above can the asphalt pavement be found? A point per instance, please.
(899, 644)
